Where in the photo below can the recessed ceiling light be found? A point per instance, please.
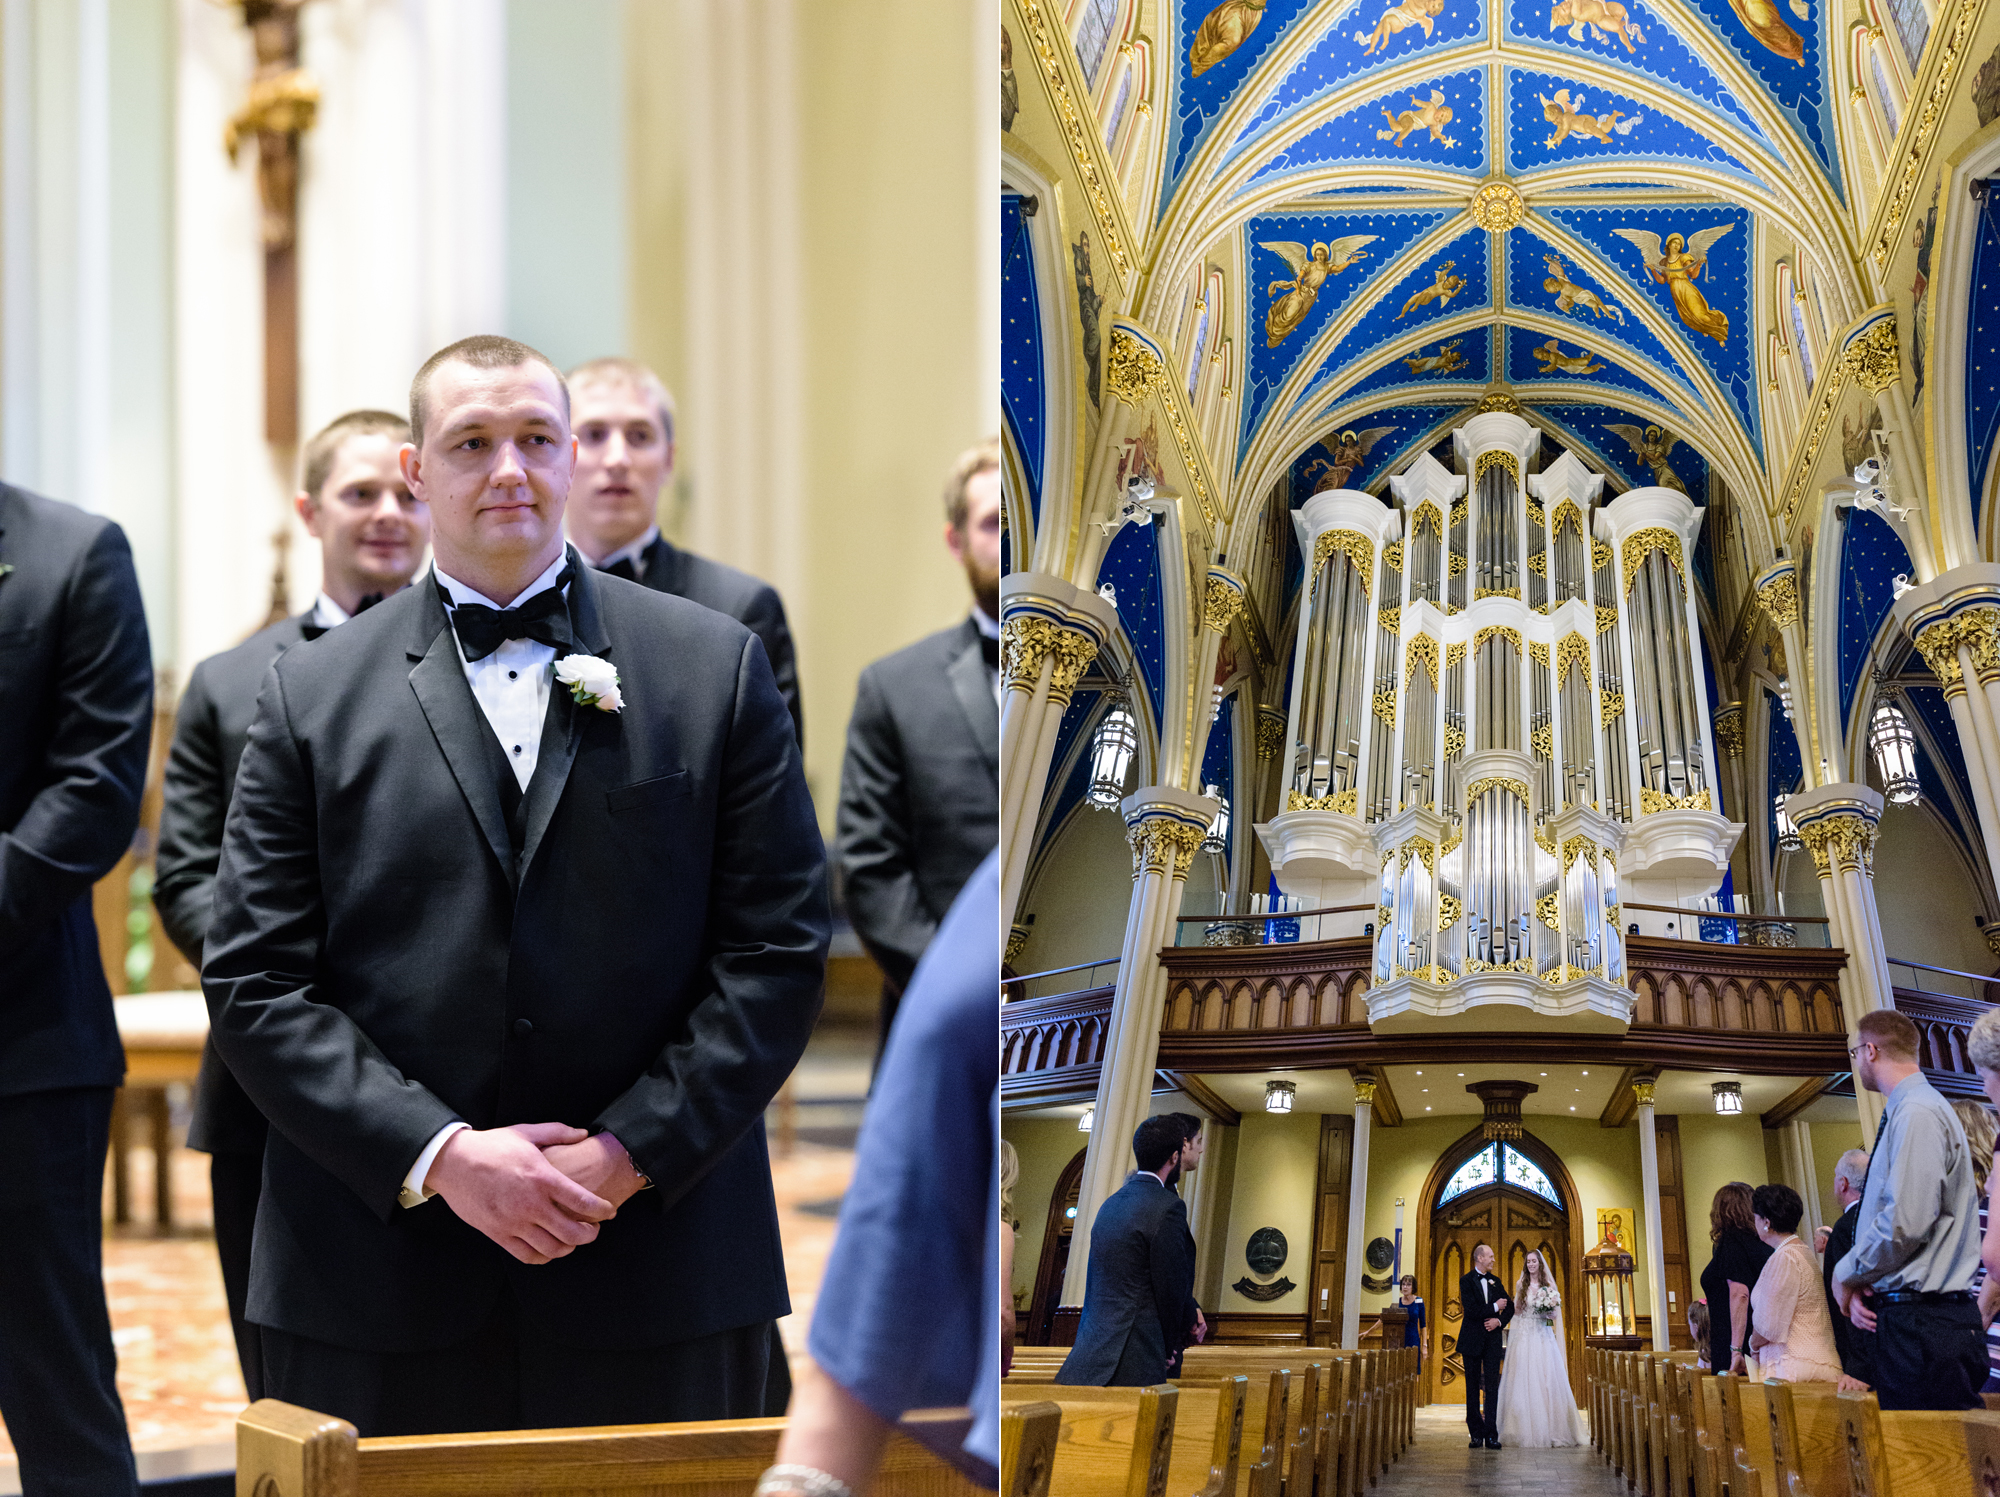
(1420, 1073)
(1426, 1109)
(1461, 1073)
(1572, 1107)
(1545, 1073)
(1586, 1073)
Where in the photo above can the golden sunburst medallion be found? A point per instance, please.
(1497, 207)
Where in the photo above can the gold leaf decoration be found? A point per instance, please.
(1651, 801)
(1352, 544)
(1546, 909)
(1642, 543)
(1572, 653)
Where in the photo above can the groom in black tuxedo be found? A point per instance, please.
(1486, 1310)
(513, 967)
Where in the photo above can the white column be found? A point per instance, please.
(1656, 1252)
(1357, 1213)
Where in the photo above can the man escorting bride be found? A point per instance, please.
(1536, 1409)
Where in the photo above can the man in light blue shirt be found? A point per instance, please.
(1908, 1277)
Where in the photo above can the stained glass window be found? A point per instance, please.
(1482, 1168)
(1093, 35)
(1517, 1169)
(1913, 29)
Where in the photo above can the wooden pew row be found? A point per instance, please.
(1144, 1442)
(285, 1451)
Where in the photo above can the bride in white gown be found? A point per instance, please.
(1536, 1407)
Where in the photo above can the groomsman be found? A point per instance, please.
(76, 711)
(520, 925)
(1487, 1311)
(372, 535)
(623, 417)
(920, 788)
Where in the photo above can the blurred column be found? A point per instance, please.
(1357, 1212)
(1656, 1252)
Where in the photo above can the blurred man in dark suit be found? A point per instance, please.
(623, 417)
(372, 535)
(76, 710)
(920, 788)
(1139, 1289)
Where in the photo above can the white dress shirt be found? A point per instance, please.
(991, 630)
(512, 688)
(328, 614)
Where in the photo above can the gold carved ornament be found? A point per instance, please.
(1163, 844)
(1499, 400)
(1495, 592)
(1458, 512)
(1392, 556)
(1385, 704)
(1026, 641)
(1535, 515)
(1422, 649)
(1270, 735)
(1391, 619)
(1539, 653)
(1973, 629)
(1454, 741)
(1607, 618)
(1564, 973)
(1938, 644)
(1422, 850)
(1545, 839)
(1873, 359)
(1428, 517)
(1352, 544)
(1578, 847)
(1515, 788)
(1495, 459)
(1843, 842)
(1779, 598)
(1600, 555)
(1458, 566)
(1609, 705)
(1642, 1092)
(1132, 371)
(1543, 741)
(1496, 630)
(1453, 840)
(1519, 964)
(1220, 604)
(1572, 654)
(1017, 940)
(1343, 801)
(1539, 563)
(1546, 908)
(1435, 975)
(1568, 514)
(1384, 915)
(1642, 543)
(1081, 135)
(1652, 801)
(1496, 208)
(1364, 1091)
(1454, 656)
(1729, 731)
(1449, 910)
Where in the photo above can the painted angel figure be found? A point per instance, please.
(1350, 450)
(1221, 32)
(1677, 265)
(1310, 269)
(1651, 446)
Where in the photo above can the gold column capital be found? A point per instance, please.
(1779, 597)
(1873, 359)
(1132, 371)
(1642, 1092)
(1163, 844)
(1270, 732)
(1026, 640)
(1728, 726)
(1842, 842)
(1221, 601)
(1364, 1091)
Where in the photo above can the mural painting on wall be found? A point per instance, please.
(1570, 296)
(1920, 298)
(1221, 32)
(1088, 303)
(1602, 18)
(1986, 90)
(1431, 114)
(1141, 459)
(1446, 359)
(1554, 361)
(1761, 19)
(1397, 18)
(1677, 265)
(1617, 1227)
(1570, 120)
(1857, 443)
(1310, 270)
(1010, 90)
(1349, 449)
(1441, 290)
(1651, 447)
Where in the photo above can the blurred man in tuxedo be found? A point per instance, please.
(623, 417)
(520, 925)
(920, 788)
(372, 535)
(76, 717)
(1481, 1343)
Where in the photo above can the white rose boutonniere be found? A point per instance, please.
(592, 682)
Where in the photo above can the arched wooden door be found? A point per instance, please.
(1514, 1195)
(1056, 1239)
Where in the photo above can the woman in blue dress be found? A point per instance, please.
(1413, 1324)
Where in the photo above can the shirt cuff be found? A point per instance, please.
(413, 1192)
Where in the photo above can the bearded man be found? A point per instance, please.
(920, 787)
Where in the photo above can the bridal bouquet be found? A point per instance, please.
(1541, 1302)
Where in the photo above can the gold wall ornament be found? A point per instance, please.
(1496, 207)
(1220, 604)
(1454, 741)
(1600, 555)
(1352, 544)
(1384, 915)
(1343, 801)
(1546, 909)
(1578, 847)
(1453, 839)
(1572, 654)
(1385, 704)
(1642, 543)
(1976, 630)
(1420, 849)
(1535, 515)
(1568, 514)
(1017, 940)
(1938, 644)
(1545, 838)
(1495, 592)
(1422, 650)
(1980, 628)
(1391, 619)
(1454, 656)
(1519, 964)
(1079, 133)
(1435, 975)
(1607, 618)
(1843, 842)
(1563, 973)
(1642, 1093)
(1949, 50)
(1496, 631)
(1539, 563)
(1779, 598)
(1609, 705)
(1458, 513)
(1449, 911)
(1499, 400)
(1133, 370)
(1427, 516)
(1729, 731)
(1457, 567)
(1543, 741)
(1539, 653)
(1651, 801)
(1364, 1091)
(1516, 788)
(1270, 733)
(1163, 844)
(1392, 556)
(1495, 459)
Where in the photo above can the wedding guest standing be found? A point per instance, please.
(520, 925)
(76, 711)
(372, 536)
(1908, 1276)
(1793, 1338)
(1856, 1346)
(1413, 1313)
(1698, 1330)
(920, 788)
(1976, 1118)
(1983, 1049)
(1736, 1258)
(623, 416)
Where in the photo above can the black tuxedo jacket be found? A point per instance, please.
(1138, 1288)
(381, 962)
(1473, 1337)
(919, 792)
(76, 718)
(750, 602)
(210, 730)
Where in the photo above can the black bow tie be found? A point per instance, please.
(624, 567)
(989, 651)
(312, 631)
(544, 618)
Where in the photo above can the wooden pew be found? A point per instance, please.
(1114, 1442)
(1746, 1427)
(1308, 1367)
(1908, 1453)
(1808, 1457)
(285, 1451)
(1208, 1429)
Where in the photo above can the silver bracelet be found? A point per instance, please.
(809, 1480)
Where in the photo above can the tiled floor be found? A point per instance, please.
(1439, 1462)
(177, 1368)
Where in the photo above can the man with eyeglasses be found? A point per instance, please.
(1908, 1277)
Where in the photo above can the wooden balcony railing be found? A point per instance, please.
(1943, 1022)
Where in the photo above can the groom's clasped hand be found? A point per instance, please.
(537, 1189)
